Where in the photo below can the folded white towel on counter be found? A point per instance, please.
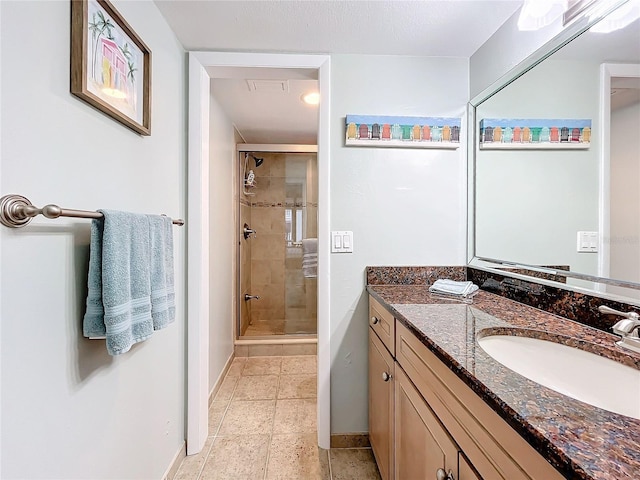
(310, 257)
(454, 288)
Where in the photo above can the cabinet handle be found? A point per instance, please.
(386, 377)
(442, 475)
(374, 320)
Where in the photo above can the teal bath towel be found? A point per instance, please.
(163, 307)
(130, 264)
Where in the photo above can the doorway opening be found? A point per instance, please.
(203, 67)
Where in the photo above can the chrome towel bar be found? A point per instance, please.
(17, 211)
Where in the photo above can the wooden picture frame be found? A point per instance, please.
(110, 64)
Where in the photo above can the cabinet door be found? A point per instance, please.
(381, 397)
(422, 444)
(465, 470)
(383, 324)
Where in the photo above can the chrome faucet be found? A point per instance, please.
(248, 231)
(628, 329)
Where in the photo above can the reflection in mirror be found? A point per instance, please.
(568, 209)
(621, 239)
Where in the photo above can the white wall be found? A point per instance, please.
(530, 204)
(504, 50)
(404, 206)
(69, 410)
(222, 208)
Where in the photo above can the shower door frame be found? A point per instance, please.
(199, 81)
(273, 339)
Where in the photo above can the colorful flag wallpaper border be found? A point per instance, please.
(399, 131)
(535, 133)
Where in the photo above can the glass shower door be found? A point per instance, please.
(278, 201)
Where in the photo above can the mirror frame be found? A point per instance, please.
(590, 16)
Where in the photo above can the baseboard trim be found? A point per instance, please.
(216, 387)
(176, 462)
(350, 440)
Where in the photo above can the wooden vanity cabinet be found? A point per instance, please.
(381, 386)
(493, 448)
(381, 402)
(422, 444)
(383, 323)
(423, 418)
(465, 470)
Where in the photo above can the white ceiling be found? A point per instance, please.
(268, 114)
(427, 27)
(453, 28)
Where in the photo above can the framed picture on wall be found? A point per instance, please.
(110, 64)
(395, 131)
(535, 133)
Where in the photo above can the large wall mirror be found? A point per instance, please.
(529, 203)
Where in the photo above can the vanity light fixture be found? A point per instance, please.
(311, 98)
(536, 14)
(619, 18)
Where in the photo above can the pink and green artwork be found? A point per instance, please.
(114, 63)
(110, 65)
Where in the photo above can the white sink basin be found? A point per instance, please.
(578, 374)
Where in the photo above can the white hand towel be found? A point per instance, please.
(455, 288)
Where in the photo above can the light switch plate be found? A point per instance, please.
(341, 241)
(587, 242)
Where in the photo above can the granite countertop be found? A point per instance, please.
(581, 441)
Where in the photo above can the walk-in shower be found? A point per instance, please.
(277, 244)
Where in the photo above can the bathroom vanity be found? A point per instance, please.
(441, 408)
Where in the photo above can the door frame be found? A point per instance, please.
(607, 71)
(198, 232)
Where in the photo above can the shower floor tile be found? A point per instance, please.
(265, 327)
(275, 438)
(298, 326)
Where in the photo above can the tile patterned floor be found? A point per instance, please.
(262, 426)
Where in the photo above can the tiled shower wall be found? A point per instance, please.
(272, 268)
